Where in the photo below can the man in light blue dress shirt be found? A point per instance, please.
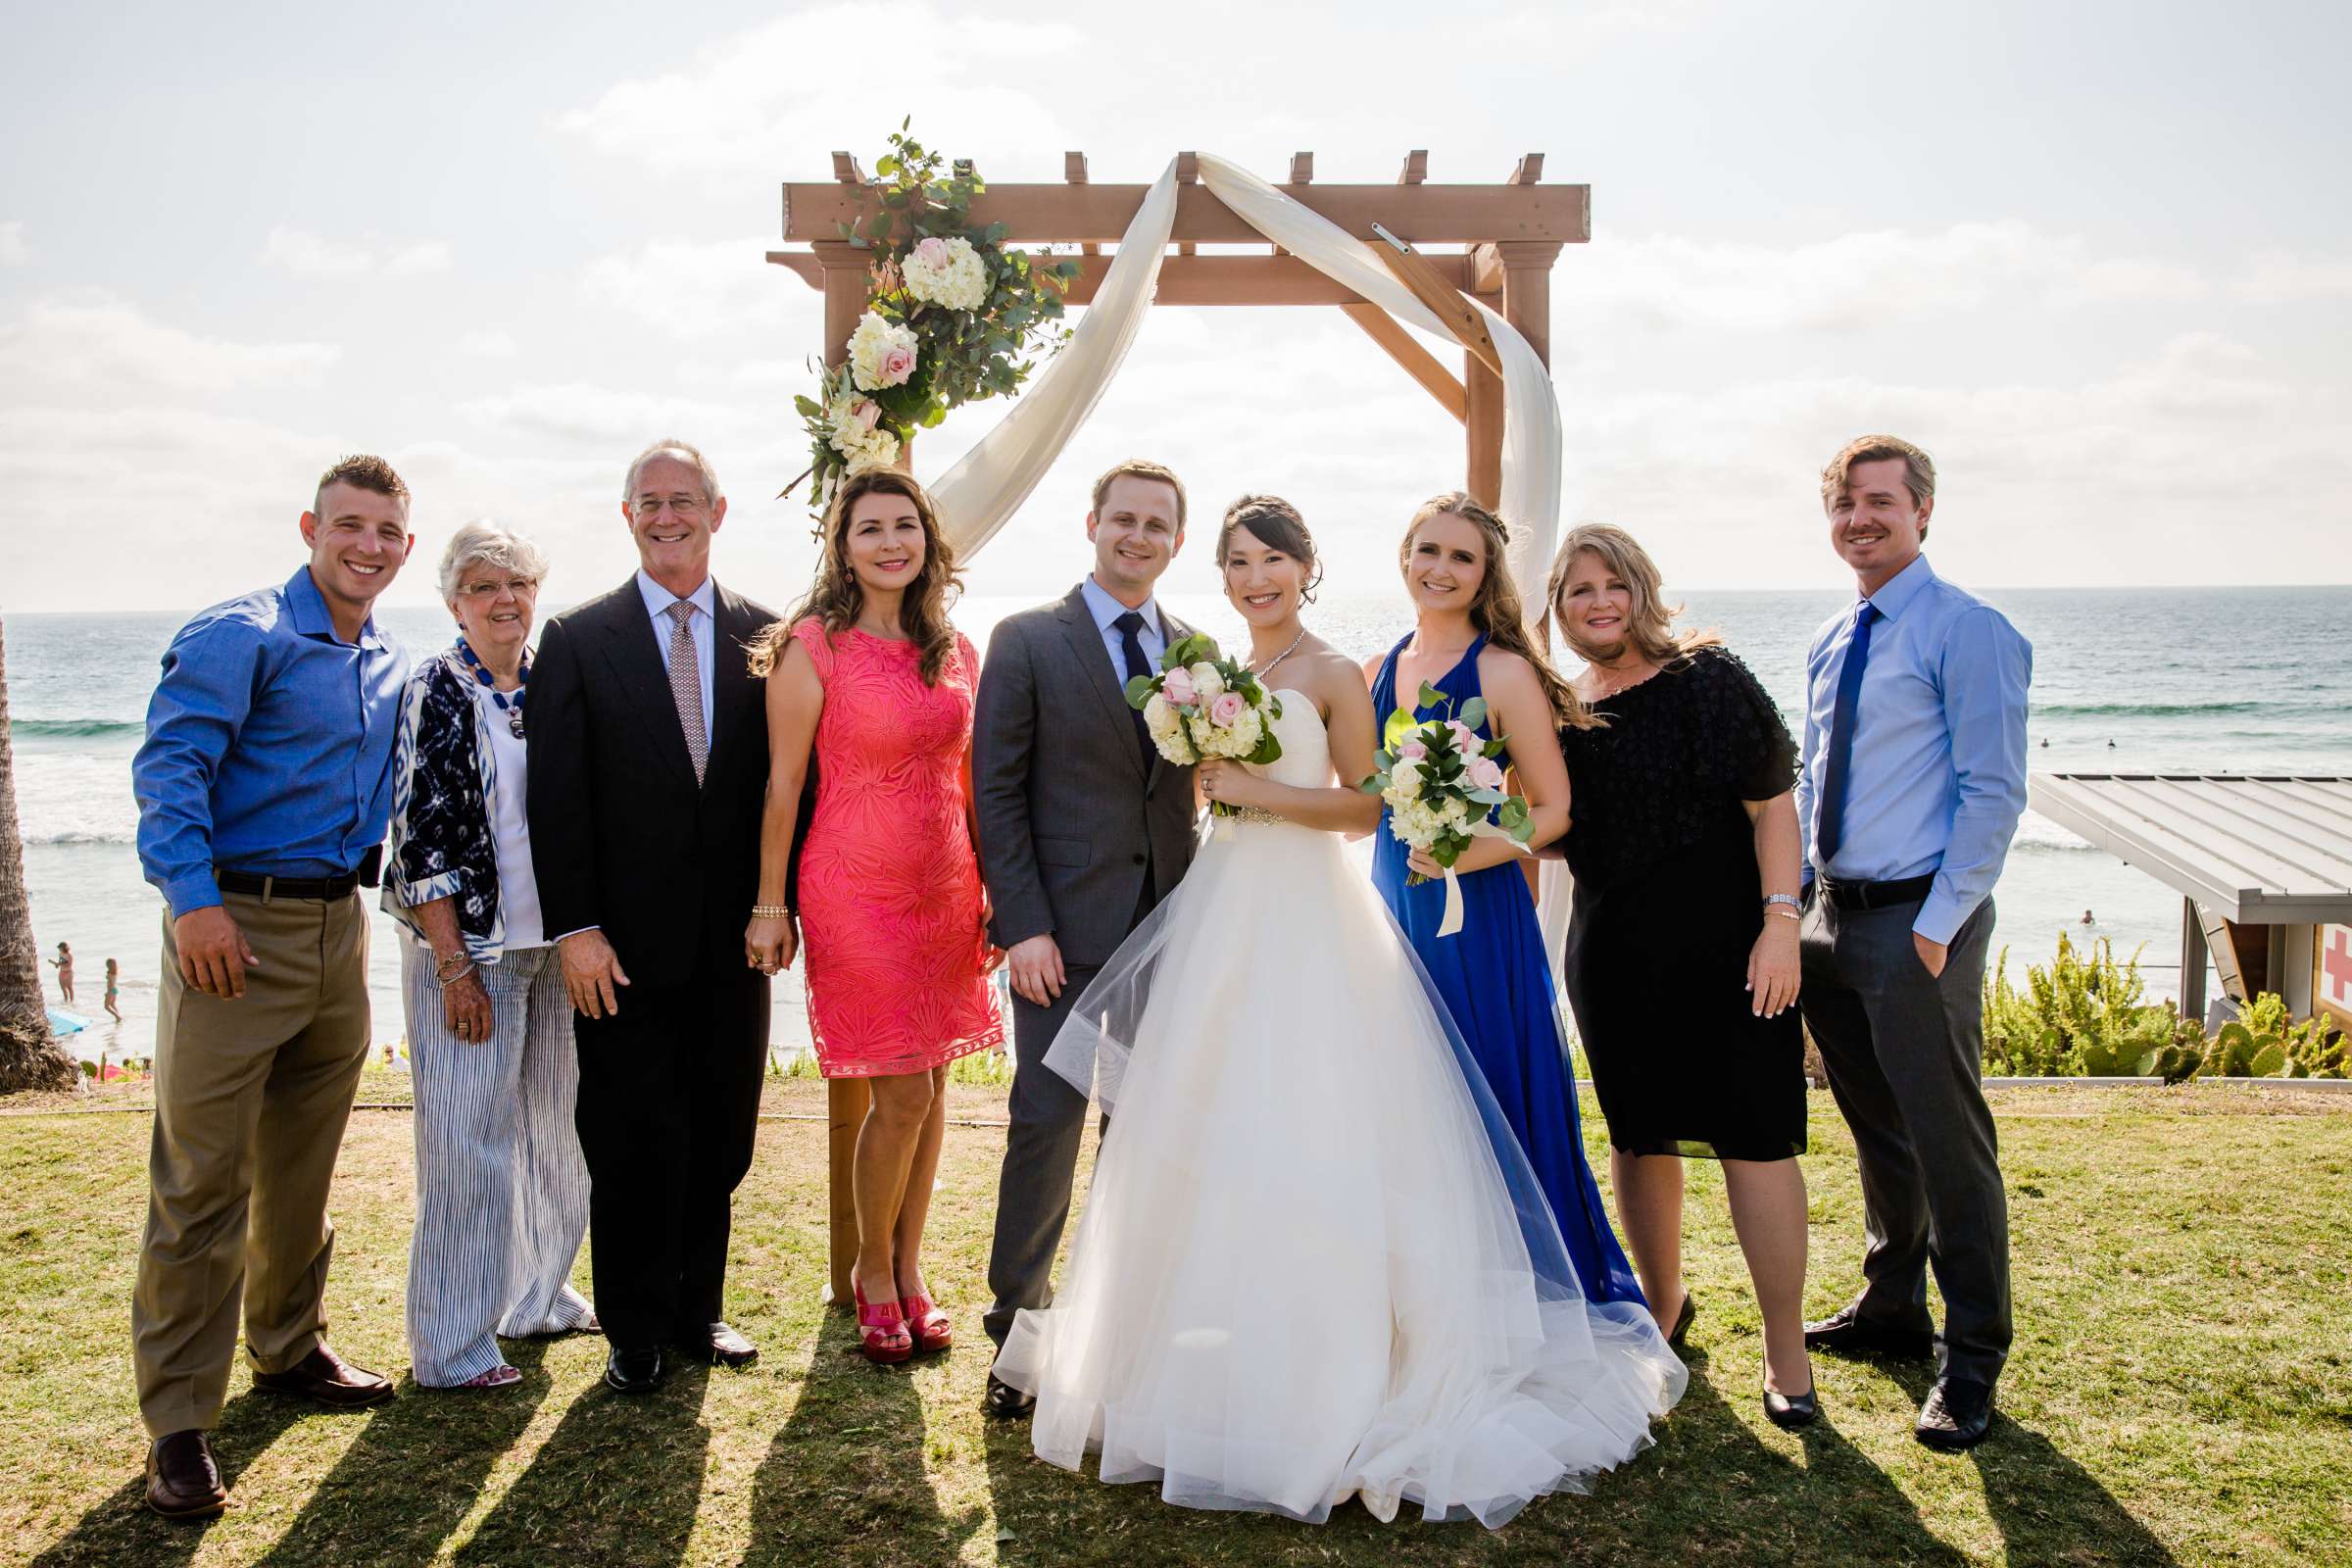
(1914, 778)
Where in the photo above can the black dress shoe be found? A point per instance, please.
(1681, 1323)
(327, 1378)
(635, 1371)
(182, 1481)
(718, 1345)
(1848, 1333)
(1957, 1415)
(1005, 1401)
(1789, 1411)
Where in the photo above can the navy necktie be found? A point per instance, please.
(1839, 763)
(1131, 646)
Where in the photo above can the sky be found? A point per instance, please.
(2094, 257)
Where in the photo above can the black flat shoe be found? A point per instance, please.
(1847, 1333)
(639, 1371)
(1005, 1401)
(1957, 1415)
(718, 1345)
(1789, 1411)
(1681, 1323)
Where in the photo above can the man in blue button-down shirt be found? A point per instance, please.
(1913, 779)
(263, 787)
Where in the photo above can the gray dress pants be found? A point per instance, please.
(1047, 1115)
(1905, 1051)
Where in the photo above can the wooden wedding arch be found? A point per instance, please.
(1497, 245)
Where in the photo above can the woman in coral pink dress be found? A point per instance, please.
(869, 681)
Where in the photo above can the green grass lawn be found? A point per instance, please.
(2181, 1389)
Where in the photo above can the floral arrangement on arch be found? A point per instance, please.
(953, 318)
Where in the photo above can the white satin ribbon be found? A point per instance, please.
(1452, 920)
(980, 493)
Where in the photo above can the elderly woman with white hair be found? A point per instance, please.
(502, 1192)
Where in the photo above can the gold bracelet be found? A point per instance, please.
(771, 912)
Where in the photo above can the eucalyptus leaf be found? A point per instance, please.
(1474, 713)
(1140, 689)
(1431, 697)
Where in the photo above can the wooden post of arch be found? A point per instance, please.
(1510, 234)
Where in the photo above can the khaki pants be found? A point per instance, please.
(251, 1098)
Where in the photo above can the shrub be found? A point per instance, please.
(2082, 1016)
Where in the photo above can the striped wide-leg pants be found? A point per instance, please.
(502, 1192)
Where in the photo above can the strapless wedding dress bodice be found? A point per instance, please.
(1306, 1271)
(1306, 759)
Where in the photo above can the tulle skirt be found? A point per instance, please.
(1303, 1272)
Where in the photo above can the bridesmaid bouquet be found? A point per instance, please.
(1443, 786)
(1202, 704)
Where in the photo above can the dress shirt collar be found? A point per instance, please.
(659, 599)
(1107, 610)
(1897, 593)
(306, 609)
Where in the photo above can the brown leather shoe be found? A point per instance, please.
(327, 1378)
(182, 1481)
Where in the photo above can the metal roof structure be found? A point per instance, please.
(2254, 849)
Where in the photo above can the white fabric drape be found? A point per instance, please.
(982, 491)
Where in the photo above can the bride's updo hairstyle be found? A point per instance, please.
(1276, 523)
(1496, 610)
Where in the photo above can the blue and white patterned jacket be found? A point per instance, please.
(444, 777)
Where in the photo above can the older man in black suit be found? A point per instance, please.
(649, 763)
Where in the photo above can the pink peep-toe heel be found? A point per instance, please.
(881, 1329)
(932, 1329)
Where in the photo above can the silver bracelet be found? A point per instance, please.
(1797, 910)
(450, 980)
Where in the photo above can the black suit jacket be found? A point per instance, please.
(622, 837)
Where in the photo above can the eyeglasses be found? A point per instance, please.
(491, 588)
(680, 505)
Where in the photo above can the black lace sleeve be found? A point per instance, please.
(1751, 746)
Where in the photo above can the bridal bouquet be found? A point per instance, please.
(951, 318)
(1202, 704)
(1442, 785)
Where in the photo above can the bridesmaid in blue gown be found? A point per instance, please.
(1470, 641)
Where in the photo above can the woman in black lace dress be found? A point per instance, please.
(1682, 960)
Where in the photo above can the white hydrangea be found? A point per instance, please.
(1206, 680)
(882, 353)
(879, 450)
(947, 272)
(1456, 811)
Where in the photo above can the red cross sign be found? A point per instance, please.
(2334, 976)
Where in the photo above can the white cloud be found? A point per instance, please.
(604, 417)
(93, 340)
(720, 288)
(1671, 283)
(781, 96)
(2281, 278)
(306, 255)
(13, 252)
(490, 345)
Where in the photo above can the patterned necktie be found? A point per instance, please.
(1131, 646)
(686, 685)
(1838, 761)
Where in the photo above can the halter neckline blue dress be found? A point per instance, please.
(1496, 983)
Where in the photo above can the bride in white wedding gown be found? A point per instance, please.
(1314, 1263)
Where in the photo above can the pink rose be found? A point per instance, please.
(1465, 739)
(1485, 773)
(933, 251)
(1415, 751)
(1226, 708)
(897, 366)
(1177, 687)
(867, 414)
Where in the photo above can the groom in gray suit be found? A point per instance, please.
(1083, 829)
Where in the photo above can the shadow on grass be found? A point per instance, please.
(618, 1481)
(2048, 1507)
(848, 1465)
(121, 1529)
(414, 1473)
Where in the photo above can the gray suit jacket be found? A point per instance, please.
(1070, 817)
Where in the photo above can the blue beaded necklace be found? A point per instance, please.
(512, 707)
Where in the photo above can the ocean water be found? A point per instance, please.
(2125, 680)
